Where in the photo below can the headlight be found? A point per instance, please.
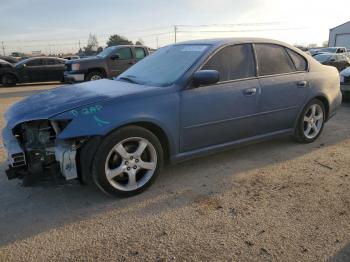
(75, 67)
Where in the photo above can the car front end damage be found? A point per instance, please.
(35, 152)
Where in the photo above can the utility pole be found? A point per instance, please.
(79, 44)
(3, 48)
(175, 31)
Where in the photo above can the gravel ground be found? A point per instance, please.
(273, 201)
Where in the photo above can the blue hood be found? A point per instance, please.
(49, 103)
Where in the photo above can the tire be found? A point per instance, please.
(311, 122)
(8, 80)
(120, 169)
(94, 75)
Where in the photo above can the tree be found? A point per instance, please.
(92, 44)
(140, 42)
(325, 43)
(118, 40)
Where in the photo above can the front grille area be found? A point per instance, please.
(68, 67)
(347, 79)
(18, 160)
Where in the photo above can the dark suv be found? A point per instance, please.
(109, 63)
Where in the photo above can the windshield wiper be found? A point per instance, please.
(128, 79)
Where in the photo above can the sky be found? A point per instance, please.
(58, 26)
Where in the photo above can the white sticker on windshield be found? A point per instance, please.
(194, 48)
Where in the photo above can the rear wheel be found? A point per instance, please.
(311, 122)
(94, 75)
(8, 80)
(127, 161)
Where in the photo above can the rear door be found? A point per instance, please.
(124, 61)
(54, 69)
(284, 87)
(226, 111)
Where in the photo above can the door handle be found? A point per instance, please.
(250, 91)
(302, 84)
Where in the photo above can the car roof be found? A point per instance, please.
(235, 40)
(42, 57)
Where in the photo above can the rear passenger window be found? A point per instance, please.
(233, 62)
(139, 52)
(52, 62)
(35, 62)
(299, 61)
(124, 53)
(273, 59)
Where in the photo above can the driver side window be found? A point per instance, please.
(233, 62)
(124, 53)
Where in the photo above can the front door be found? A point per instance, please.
(223, 112)
(123, 61)
(33, 71)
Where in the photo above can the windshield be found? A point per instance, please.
(329, 50)
(106, 52)
(323, 58)
(165, 66)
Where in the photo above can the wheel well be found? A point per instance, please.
(9, 73)
(159, 133)
(325, 104)
(101, 70)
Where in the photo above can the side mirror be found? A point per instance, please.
(332, 60)
(115, 57)
(206, 77)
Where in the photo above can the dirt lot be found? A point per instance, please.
(274, 201)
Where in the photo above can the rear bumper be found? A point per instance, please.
(73, 78)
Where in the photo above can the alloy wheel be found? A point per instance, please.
(313, 121)
(131, 164)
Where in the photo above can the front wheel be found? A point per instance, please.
(93, 76)
(311, 122)
(127, 161)
(8, 80)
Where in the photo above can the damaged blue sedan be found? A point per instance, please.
(183, 101)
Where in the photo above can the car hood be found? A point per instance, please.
(47, 104)
(85, 60)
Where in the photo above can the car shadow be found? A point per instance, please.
(28, 211)
(341, 256)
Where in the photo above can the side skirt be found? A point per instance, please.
(181, 157)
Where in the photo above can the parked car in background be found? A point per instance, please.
(9, 59)
(72, 57)
(334, 50)
(345, 82)
(18, 56)
(339, 61)
(6, 68)
(314, 51)
(38, 69)
(183, 101)
(109, 63)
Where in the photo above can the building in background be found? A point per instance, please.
(340, 36)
